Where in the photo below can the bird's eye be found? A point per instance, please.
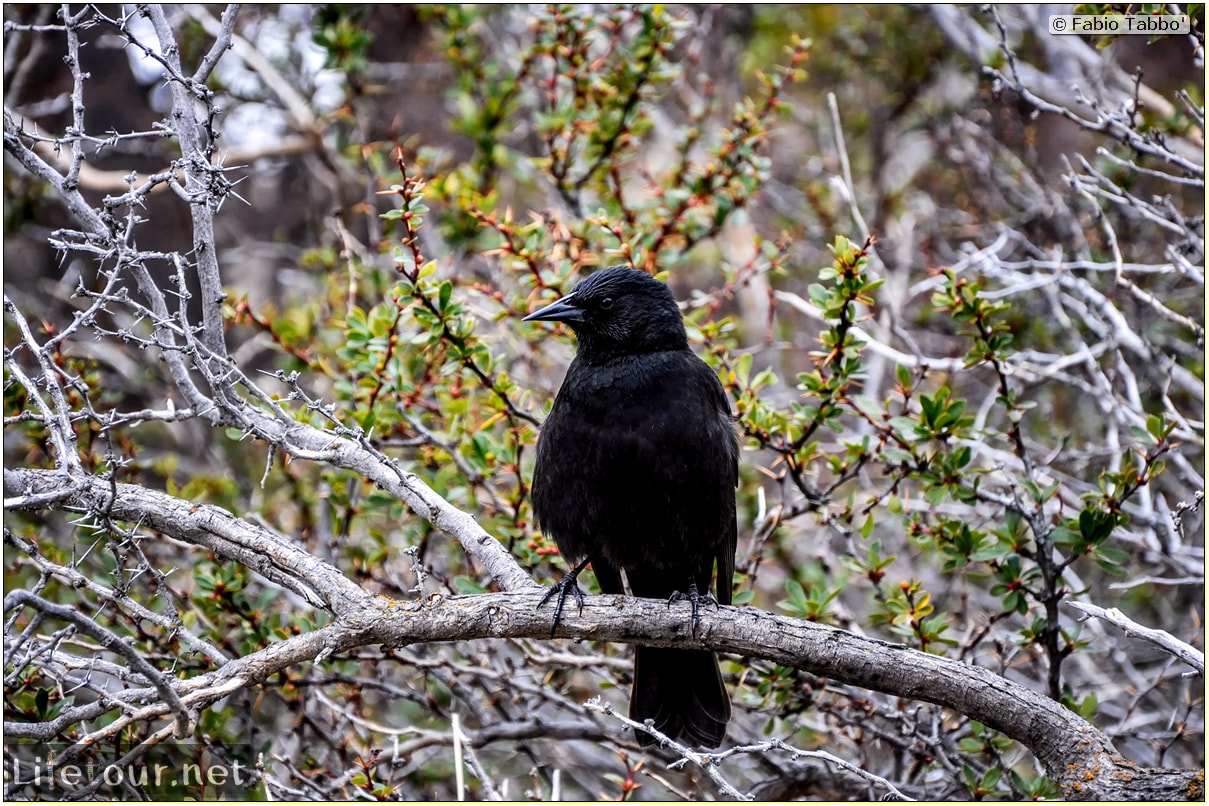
(606, 303)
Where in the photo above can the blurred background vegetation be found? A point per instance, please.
(992, 406)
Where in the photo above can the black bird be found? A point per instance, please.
(636, 471)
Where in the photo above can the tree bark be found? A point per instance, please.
(1075, 754)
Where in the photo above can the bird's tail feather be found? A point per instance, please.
(681, 690)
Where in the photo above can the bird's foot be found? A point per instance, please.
(697, 600)
(564, 587)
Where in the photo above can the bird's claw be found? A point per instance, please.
(566, 585)
(697, 599)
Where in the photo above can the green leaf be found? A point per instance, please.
(1011, 519)
(969, 746)
(743, 369)
(467, 586)
(1154, 426)
(743, 597)
(1063, 536)
(1140, 434)
(1114, 555)
(868, 406)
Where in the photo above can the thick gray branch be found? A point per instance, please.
(1075, 754)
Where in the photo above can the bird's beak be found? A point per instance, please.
(561, 310)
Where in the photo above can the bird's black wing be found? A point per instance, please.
(728, 530)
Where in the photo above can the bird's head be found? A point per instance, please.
(618, 311)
